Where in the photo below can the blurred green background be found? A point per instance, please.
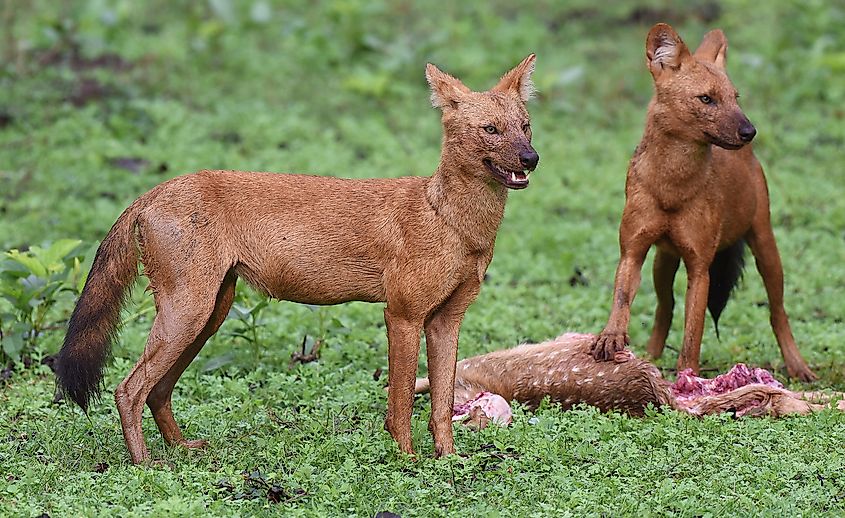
(101, 100)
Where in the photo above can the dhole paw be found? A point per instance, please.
(654, 350)
(442, 451)
(804, 374)
(608, 344)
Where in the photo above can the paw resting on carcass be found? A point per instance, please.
(608, 344)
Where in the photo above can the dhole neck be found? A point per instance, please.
(468, 203)
(673, 158)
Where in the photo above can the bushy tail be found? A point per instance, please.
(725, 273)
(95, 320)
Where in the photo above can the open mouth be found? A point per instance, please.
(508, 178)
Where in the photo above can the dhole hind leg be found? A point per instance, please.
(665, 267)
(441, 338)
(761, 240)
(181, 317)
(159, 399)
(403, 351)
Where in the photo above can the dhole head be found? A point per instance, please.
(694, 97)
(488, 133)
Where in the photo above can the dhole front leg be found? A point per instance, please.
(665, 268)
(698, 284)
(765, 250)
(441, 337)
(403, 350)
(614, 337)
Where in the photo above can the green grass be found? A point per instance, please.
(337, 88)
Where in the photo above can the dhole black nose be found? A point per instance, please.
(747, 132)
(529, 159)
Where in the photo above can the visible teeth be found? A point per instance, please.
(513, 177)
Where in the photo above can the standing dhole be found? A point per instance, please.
(420, 244)
(694, 189)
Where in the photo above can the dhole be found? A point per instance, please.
(420, 244)
(694, 189)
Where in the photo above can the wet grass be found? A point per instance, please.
(102, 103)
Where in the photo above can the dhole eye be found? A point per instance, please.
(706, 99)
(526, 127)
(491, 129)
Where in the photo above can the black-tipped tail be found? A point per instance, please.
(95, 320)
(725, 273)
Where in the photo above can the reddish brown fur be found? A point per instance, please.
(420, 244)
(693, 188)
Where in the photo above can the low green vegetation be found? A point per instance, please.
(101, 100)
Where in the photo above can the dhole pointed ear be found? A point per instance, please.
(664, 49)
(446, 91)
(518, 79)
(713, 48)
